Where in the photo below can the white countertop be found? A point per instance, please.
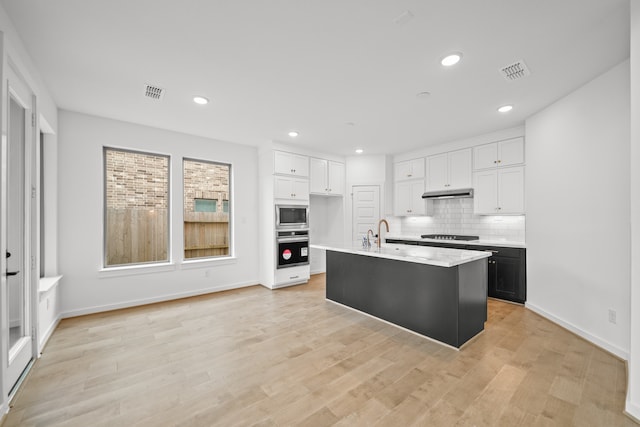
(441, 257)
(481, 242)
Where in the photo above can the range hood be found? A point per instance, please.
(448, 194)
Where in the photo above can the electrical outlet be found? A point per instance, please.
(612, 316)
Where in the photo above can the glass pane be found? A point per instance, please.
(206, 229)
(15, 223)
(137, 202)
(205, 205)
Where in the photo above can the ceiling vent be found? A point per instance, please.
(515, 71)
(153, 92)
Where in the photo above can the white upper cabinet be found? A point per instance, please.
(499, 191)
(449, 171)
(326, 177)
(408, 198)
(286, 187)
(410, 169)
(290, 164)
(499, 154)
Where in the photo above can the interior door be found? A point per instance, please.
(366, 209)
(17, 298)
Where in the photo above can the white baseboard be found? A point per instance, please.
(632, 410)
(611, 348)
(162, 298)
(318, 271)
(3, 411)
(45, 338)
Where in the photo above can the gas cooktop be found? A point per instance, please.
(449, 237)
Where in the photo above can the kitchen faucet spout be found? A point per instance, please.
(379, 235)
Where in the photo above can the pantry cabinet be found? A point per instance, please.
(449, 171)
(326, 177)
(499, 191)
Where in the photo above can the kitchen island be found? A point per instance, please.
(440, 293)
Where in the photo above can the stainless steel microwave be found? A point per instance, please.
(292, 216)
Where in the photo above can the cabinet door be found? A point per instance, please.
(403, 199)
(460, 175)
(511, 152)
(511, 190)
(437, 178)
(485, 156)
(410, 169)
(418, 204)
(336, 178)
(300, 189)
(282, 187)
(507, 280)
(318, 176)
(485, 198)
(300, 165)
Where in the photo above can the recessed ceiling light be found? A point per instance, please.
(293, 134)
(201, 100)
(505, 108)
(423, 95)
(451, 59)
(359, 151)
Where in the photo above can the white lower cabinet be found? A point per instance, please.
(291, 188)
(408, 198)
(499, 191)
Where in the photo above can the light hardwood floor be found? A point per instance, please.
(287, 357)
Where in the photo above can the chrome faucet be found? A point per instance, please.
(379, 235)
(372, 235)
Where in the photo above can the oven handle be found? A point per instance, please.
(292, 239)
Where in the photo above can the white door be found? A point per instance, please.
(511, 190)
(460, 169)
(366, 209)
(437, 178)
(17, 301)
(336, 178)
(318, 176)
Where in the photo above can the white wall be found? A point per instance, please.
(633, 396)
(577, 197)
(85, 288)
(12, 51)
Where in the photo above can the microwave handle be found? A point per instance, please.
(292, 239)
(277, 216)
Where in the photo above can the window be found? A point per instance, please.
(206, 228)
(136, 227)
(205, 205)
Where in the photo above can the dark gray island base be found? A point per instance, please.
(448, 304)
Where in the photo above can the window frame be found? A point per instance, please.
(137, 266)
(218, 258)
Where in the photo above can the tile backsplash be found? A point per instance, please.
(455, 216)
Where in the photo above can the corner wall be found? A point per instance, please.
(86, 289)
(633, 395)
(577, 197)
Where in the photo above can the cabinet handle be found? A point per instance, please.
(499, 208)
(495, 161)
(499, 161)
(409, 174)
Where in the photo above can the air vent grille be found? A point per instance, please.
(515, 71)
(153, 92)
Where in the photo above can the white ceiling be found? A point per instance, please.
(315, 66)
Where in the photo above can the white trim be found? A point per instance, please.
(162, 298)
(632, 410)
(45, 337)
(611, 348)
(189, 264)
(130, 270)
(4, 410)
(318, 271)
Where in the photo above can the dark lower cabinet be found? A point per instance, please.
(507, 268)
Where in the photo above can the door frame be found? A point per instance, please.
(31, 241)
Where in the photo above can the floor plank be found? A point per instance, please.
(288, 357)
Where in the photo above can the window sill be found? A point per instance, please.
(45, 284)
(208, 262)
(131, 270)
